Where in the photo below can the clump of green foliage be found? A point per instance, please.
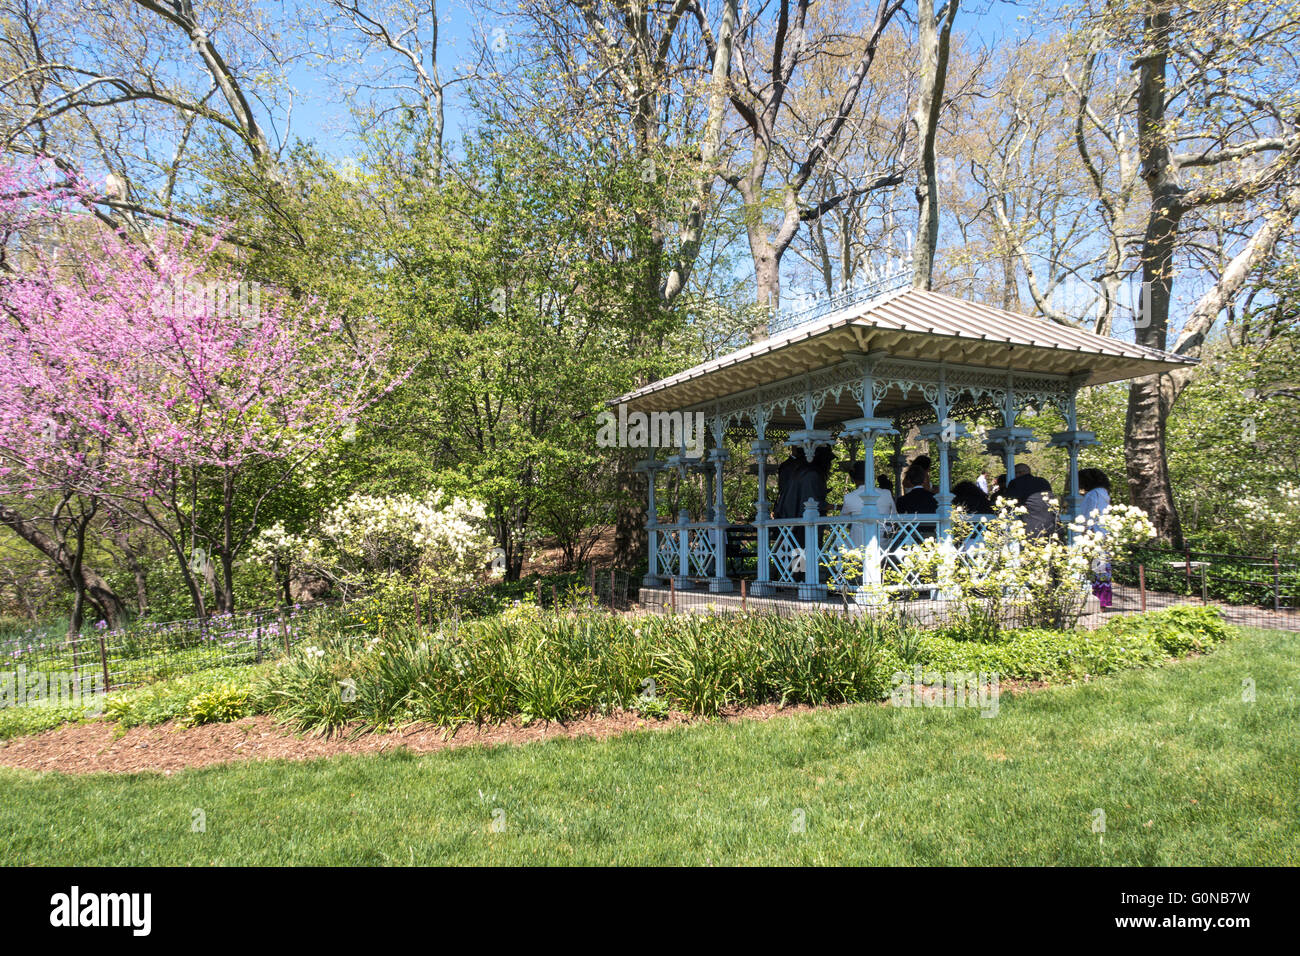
(1143, 640)
(556, 667)
(36, 718)
(219, 694)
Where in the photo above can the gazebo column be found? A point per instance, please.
(651, 467)
(944, 432)
(810, 439)
(812, 589)
(896, 462)
(761, 449)
(868, 429)
(1072, 439)
(683, 582)
(681, 574)
(719, 582)
(1008, 441)
(707, 481)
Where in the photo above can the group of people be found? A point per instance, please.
(799, 480)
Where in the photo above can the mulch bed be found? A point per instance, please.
(100, 746)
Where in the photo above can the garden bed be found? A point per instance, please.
(102, 747)
(521, 679)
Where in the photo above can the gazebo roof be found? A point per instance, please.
(910, 324)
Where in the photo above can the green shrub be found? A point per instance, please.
(1142, 640)
(656, 708)
(1179, 630)
(557, 667)
(229, 700)
(171, 699)
(36, 718)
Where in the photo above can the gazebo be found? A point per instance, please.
(868, 363)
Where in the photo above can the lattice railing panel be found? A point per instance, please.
(787, 553)
(838, 539)
(703, 552)
(669, 555)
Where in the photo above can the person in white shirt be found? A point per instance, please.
(1096, 499)
(1096, 493)
(855, 502)
(983, 480)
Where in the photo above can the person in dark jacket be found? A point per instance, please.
(810, 481)
(1034, 493)
(785, 501)
(918, 499)
(968, 497)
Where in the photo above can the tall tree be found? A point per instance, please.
(934, 30)
(1218, 123)
(770, 58)
(153, 380)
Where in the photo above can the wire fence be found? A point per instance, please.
(151, 650)
(146, 651)
(1250, 590)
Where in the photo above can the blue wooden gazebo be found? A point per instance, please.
(864, 365)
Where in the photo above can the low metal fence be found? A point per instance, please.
(1250, 590)
(150, 650)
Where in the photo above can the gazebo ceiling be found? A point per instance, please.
(909, 324)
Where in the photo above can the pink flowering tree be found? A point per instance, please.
(157, 382)
(48, 494)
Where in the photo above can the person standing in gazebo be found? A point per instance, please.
(787, 506)
(1034, 493)
(1096, 499)
(855, 502)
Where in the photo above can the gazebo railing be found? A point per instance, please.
(787, 548)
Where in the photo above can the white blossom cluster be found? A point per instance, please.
(368, 534)
(1279, 512)
(1117, 528)
(1006, 560)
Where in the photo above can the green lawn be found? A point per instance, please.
(1186, 772)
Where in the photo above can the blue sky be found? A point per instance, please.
(320, 116)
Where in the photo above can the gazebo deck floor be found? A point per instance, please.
(926, 613)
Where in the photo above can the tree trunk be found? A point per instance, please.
(767, 277)
(1145, 461)
(934, 41)
(96, 588)
(630, 538)
(1146, 464)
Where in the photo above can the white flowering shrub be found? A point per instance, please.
(1006, 572)
(1273, 519)
(1114, 531)
(368, 540)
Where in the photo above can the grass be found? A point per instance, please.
(1186, 772)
